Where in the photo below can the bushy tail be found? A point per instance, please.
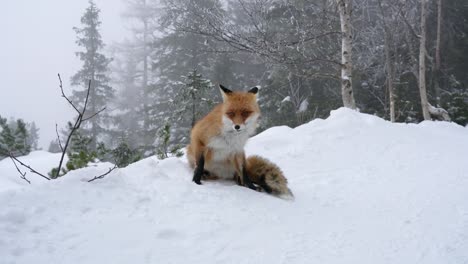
(268, 176)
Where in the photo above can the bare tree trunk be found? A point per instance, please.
(422, 63)
(144, 86)
(345, 9)
(437, 55)
(390, 79)
(389, 64)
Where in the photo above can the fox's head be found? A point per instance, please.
(240, 110)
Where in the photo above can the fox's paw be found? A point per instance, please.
(197, 182)
(254, 187)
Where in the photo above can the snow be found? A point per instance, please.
(41, 161)
(366, 191)
(303, 106)
(286, 99)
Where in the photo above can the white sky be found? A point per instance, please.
(36, 43)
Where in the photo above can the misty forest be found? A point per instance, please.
(358, 156)
(404, 61)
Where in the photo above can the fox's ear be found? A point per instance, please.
(224, 91)
(254, 90)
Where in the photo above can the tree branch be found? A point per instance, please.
(27, 166)
(95, 114)
(23, 174)
(64, 96)
(77, 124)
(104, 174)
(75, 127)
(58, 137)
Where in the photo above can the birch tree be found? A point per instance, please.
(345, 10)
(427, 108)
(422, 63)
(389, 63)
(436, 74)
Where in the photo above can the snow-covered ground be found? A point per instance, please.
(366, 191)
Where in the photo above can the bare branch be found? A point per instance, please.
(27, 166)
(95, 114)
(58, 137)
(103, 175)
(75, 127)
(64, 96)
(77, 124)
(23, 174)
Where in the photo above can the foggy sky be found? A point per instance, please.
(37, 42)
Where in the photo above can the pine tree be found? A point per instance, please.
(33, 136)
(194, 98)
(179, 52)
(165, 149)
(79, 153)
(123, 155)
(21, 145)
(7, 138)
(54, 147)
(94, 70)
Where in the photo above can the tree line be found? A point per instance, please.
(17, 137)
(400, 60)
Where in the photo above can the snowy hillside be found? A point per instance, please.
(366, 191)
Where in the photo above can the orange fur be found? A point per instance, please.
(216, 148)
(211, 132)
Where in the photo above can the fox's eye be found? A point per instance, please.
(231, 114)
(246, 113)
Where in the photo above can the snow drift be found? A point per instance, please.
(366, 191)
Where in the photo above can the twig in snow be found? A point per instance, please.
(103, 175)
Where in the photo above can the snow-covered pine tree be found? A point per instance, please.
(165, 149)
(179, 51)
(194, 98)
(123, 155)
(79, 152)
(7, 139)
(94, 69)
(21, 145)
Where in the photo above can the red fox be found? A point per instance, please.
(217, 141)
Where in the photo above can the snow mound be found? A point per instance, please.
(41, 161)
(366, 191)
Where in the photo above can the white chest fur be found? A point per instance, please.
(223, 148)
(228, 144)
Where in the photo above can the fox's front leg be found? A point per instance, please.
(199, 169)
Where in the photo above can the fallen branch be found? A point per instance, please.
(103, 175)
